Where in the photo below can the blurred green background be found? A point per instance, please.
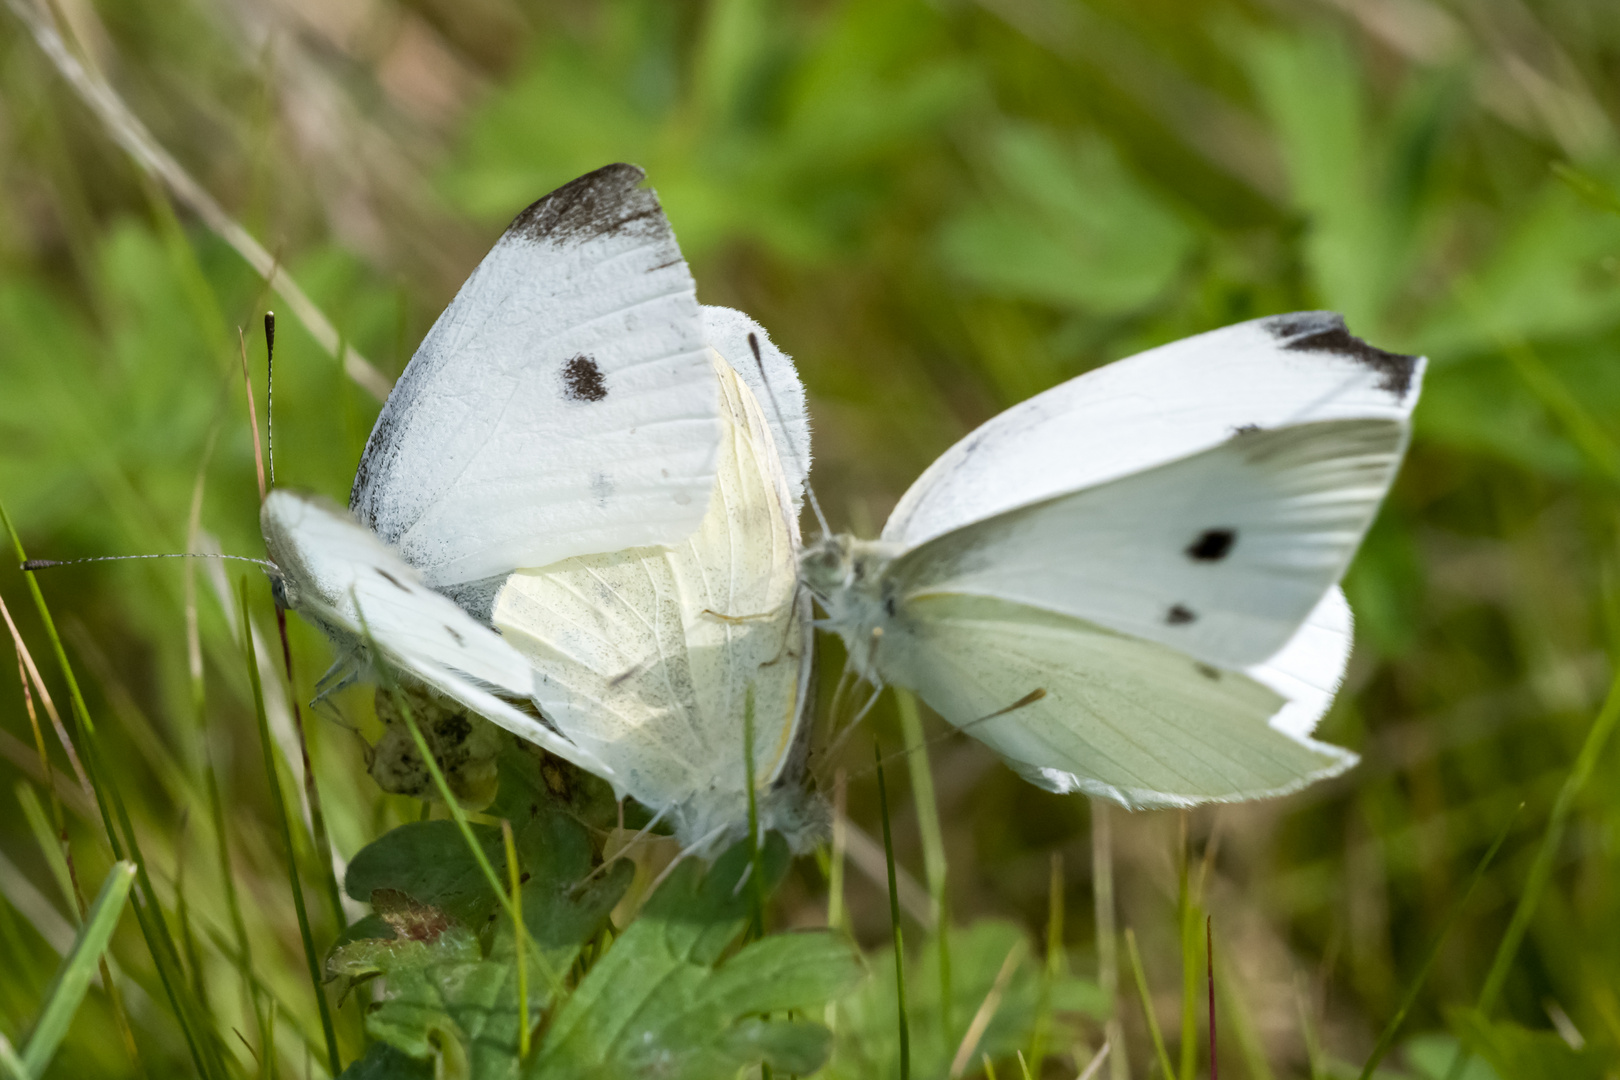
(939, 208)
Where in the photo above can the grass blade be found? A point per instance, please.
(72, 979)
(1386, 1039)
(283, 821)
(514, 876)
(459, 816)
(1053, 968)
(1147, 1004)
(121, 837)
(1597, 737)
(894, 921)
(933, 846)
(1102, 894)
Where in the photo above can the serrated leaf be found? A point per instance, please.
(661, 1004)
(428, 861)
(452, 995)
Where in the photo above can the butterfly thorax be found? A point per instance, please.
(849, 580)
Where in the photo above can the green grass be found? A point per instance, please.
(939, 207)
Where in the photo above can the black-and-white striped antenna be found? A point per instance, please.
(270, 389)
(45, 564)
(802, 466)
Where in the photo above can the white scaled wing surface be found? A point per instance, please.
(339, 575)
(1156, 407)
(563, 403)
(1128, 585)
(652, 659)
(1076, 708)
(1221, 555)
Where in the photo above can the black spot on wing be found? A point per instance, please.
(583, 380)
(608, 201)
(1212, 545)
(1180, 615)
(602, 488)
(394, 581)
(1211, 673)
(453, 632)
(1325, 332)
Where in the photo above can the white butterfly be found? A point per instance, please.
(569, 412)
(1127, 585)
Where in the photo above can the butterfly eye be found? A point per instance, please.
(280, 592)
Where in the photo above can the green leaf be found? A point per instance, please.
(1523, 1054)
(383, 1062)
(1430, 1058)
(867, 1044)
(72, 979)
(452, 996)
(661, 1003)
(1071, 228)
(446, 1002)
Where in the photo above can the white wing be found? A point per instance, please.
(646, 657)
(339, 575)
(1073, 707)
(1156, 407)
(1310, 667)
(1221, 555)
(562, 404)
(774, 383)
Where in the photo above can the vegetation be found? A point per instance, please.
(939, 207)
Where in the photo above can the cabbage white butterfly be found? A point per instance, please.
(570, 412)
(1127, 585)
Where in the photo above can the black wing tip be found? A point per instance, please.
(1326, 332)
(600, 203)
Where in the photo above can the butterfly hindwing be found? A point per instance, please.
(650, 657)
(563, 403)
(1074, 707)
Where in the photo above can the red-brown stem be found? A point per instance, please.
(1209, 946)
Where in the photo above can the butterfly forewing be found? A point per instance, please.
(354, 585)
(563, 403)
(1156, 407)
(1221, 555)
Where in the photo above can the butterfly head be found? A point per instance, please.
(827, 565)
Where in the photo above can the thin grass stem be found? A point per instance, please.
(514, 875)
(1102, 893)
(1597, 737)
(894, 920)
(459, 816)
(1386, 1038)
(284, 822)
(120, 833)
(933, 847)
(1148, 1012)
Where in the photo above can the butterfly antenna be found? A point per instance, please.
(253, 412)
(803, 467)
(843, 736)
(270, 389)
(45, 564)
